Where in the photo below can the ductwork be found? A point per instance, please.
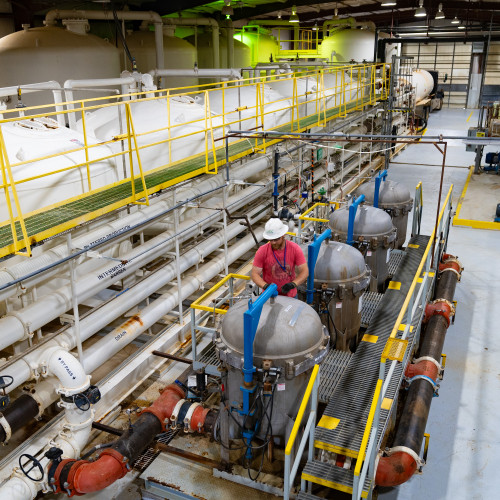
(403, 459)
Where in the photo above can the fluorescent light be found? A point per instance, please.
(461, 27)
(440, 13)
(455, 20)
(294, 18)
(388, 3)
(315, 27)
(420, 12)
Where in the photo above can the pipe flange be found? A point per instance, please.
(26, 326)
(175, 413)
(451, 269)
(431, 359)
(6, 427)
(447, 302)
(189, 414)
(408, 451)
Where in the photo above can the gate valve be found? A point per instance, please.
(5, 381)
(35, 464)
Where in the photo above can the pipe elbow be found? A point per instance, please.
(68, 370)
(395, 469)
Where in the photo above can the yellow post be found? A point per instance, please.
(84, 130)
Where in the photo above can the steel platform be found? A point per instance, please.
(347, 411)
(55, 219)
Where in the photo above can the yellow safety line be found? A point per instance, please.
(331, 484)
(469, 116)
(302, 409)
(476, 224)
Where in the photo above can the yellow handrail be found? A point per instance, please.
(196, 304)
(315, 219)
(302, 409)
(376, 395)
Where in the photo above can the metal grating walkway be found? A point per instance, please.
(350, 402)
(371, 300)
(75, 211)
(332, 368)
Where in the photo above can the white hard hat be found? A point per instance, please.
(274, 229)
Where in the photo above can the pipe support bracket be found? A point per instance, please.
(435, 386)
(404, 449)
(6, 427)
(431, 360)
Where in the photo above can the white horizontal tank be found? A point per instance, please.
(36, 138)
(51, 53)
(423, 83)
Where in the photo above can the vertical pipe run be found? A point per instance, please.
(276, 177)
(352, 215)
(378, 181)
(312, 257)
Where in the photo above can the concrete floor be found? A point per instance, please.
(463, 423)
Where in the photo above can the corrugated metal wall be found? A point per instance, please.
(491, 90)
(452, 61)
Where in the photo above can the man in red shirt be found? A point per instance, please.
(275, 261)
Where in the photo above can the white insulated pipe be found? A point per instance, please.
(199, 21)
(39, 87)
(55, 254)
(199, 73)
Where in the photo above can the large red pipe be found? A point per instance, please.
(77, 477)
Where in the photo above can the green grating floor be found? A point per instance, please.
(72, 213)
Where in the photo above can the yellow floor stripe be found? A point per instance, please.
(386, 404)
(394, 285)
(369, 338)
(331, 484)
(336, 449)
(411, 245)
(403, 326)
(420, 280)
(470, 116)
(328, 422)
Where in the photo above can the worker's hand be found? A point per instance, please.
(288, 286)
(265, 286)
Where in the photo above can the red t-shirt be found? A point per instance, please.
(278, 266)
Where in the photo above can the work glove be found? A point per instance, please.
(265, 286)
(288, 286)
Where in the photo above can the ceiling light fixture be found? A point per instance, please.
(294, 18)
(440, 13)
(315, 27)
(420, 12)
(461, 27)
(455, 20)
(388, 3)
(279, 14)
(227, 10)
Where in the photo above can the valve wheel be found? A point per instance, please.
(36, 464)
(82, 402)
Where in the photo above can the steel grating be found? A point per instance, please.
(303, 495)
(146, 458)
(87, 207)
(371, 300)
(394, 261)
(208, 356)
(332, 477)
(332, 368)
(351, 400)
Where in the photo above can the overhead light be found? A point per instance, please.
(336, 12)
(227, 10)
(388, 3)
(294, 18)
(461, 27)
(455, 20)
(315, 27)
(420, 12)
(440, 13)
(279, 14)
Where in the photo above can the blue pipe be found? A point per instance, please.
(378, 181)
(312, 257)
(250, 323)
(352, 215)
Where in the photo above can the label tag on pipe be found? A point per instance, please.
(369, 253)
(338, 305)
(280, 387)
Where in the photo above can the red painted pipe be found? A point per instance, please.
(77, 477)
(427, 368)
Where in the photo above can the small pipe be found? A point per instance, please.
(378, 181)
(275, 177)
(312, 257)
(172, 357)
(352, 216)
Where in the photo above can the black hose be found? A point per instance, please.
(19, 413)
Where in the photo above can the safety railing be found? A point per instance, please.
(292, 463)
(214, 308)
(143, 142)
(418, 206)
(320, 212)
(396, 348)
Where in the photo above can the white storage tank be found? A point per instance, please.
(51, 53)
(178, 54)
(349, 45)
(423, 83)
(27, 140)
(242, 53)
(264, 47)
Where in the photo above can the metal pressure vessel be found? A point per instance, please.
(374, 235)
(395, 199)
(340, 278)
(50, 53)
(291, 338)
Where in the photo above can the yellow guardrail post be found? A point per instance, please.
(130, 128)
(84, 130)
(291, 469)
(8, 180)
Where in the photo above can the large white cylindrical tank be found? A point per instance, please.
(423, 83)
(50, 53)
(30, 139)
(349, 45)
(151, 121)
(178, 54)
(264, 47)
(204, 42)
(239, 103)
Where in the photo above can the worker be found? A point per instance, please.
(275, 262)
